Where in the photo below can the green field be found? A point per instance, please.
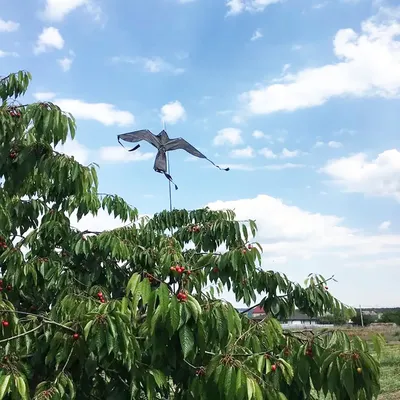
(390, 380)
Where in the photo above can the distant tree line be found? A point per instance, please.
(389, 316)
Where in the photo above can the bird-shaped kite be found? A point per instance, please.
(162, 143)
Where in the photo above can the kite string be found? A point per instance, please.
(169, 184)
(169, 173)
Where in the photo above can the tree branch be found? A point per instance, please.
(22, 334)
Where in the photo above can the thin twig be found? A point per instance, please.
(22, 334)
(65, 365)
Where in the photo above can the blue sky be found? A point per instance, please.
(299, 97)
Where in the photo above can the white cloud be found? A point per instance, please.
(334, 145)
(290, 154)
(258, 134)
(237, 119)
(75, 149)
(376, 177)
(44, 96)
(153, 65)
(246, 152)
(318, 6)
(106, 114)
(101, 222)
(117, 154)
(368, 65)
(269, 167)
(384, 226)
(57, 10)
(313, 242)
(256, 35)
(8, 26)
(8, 54)
(66, 62)
(279, 167)
(285, 68)
(173, 112)
(267, 153)
(49, 39)
(238, 6)
(229, 136)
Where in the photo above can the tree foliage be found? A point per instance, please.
(391, 317)
(367, 319)
(128, 313)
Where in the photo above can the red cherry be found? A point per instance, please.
(9, 288)
(189, 272)
(75, 336)
(1, 282)
(249, 246)
(1, 289)
(326, 288)
(102, 300)
(216, 270)
(273, 367)
(99, 294)
(5, 323)
(172, 269)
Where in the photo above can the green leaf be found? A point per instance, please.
(187, 340)
(250, 388)
(132, 284)
(4, 385)
(347, 378)
(163, 297)
(87, 328)
(174, 313)
(21, 386)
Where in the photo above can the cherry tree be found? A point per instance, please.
(127, 313)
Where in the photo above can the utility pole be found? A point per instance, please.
(361, 315)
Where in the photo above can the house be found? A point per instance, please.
(297, 318)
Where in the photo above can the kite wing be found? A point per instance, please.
(182, 144)
(137, 136)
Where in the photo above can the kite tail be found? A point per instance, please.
(135, 148)
(215, 165)
(169, 177)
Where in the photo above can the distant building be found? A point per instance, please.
(297, 318)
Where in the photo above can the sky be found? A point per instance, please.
(300, 98)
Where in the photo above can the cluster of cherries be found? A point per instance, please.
(180, 270)
(8, 287)
(195, 228)
(15, 112)
(100, 297)
(181, 296)
(200, 371)
(273, 366)
(3, 243)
